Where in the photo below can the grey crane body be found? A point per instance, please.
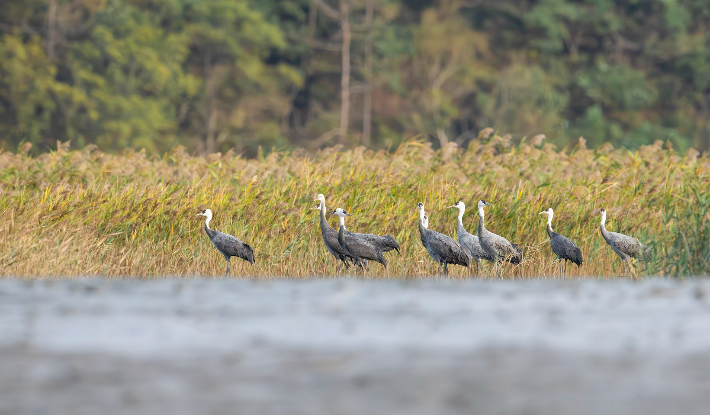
(470, 243)
(562, 246)
(623, 245)
(330, 238)
(356, 247)
(226, 244)
(384, 243)
(494, 245)
(442, 248)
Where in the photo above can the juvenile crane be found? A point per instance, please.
(470, 243)
(496, 246)
(330, 236)
(624, 246)
(226, 244)
(442, 248)
(356, 247)
(561, 245)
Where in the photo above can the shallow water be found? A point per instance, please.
(184, 346)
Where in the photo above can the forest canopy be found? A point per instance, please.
(214, 75)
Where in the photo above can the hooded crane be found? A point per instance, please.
(442, 248)
(561, 245)
(227, 245)
(358, 248)
(496, 246)
(330, 236)
(470, 243)
(624, 246)
(382, 243)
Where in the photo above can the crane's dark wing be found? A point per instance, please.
(361, 248)
(330, 238)
(384, 243)
(625, 244)
(229, 246)
(446, 248)
(472, 245)
(565, 248)
(505, 249)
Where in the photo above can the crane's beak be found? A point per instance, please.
(347, 214)
(489, 204)
(452, 206)
(541, 213)
(199, 214)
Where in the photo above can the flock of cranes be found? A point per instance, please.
(358, 248)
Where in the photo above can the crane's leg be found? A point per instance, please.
(446, 269)
(564, 276)
(623, 268)
(477, 270)
(227, 267)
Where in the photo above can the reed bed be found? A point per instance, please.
(78, 213)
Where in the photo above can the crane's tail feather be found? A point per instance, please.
(249, 254)
(390, 243)
(517, 258)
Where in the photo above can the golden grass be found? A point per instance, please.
(76, 213)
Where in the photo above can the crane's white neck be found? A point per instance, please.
(342, 221)
(603, 218)
(322, 206)
(549, 218)
(480, 211)
(208, 217)
(421, 214)
(461, 211)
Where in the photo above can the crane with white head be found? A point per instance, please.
(470, 243)
(330, 235)
(561, 245)
(442, 248)
(623, 245)
(356, 247)
(226, 244)
(497, 247)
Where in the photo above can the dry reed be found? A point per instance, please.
(76, 213)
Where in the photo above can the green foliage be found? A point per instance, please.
(215, 75)
(689, 250)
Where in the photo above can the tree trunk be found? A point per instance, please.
(367, 99)
(312, 16)
(51, 29)
(211, 115)
(345, 76)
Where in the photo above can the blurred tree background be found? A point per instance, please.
(219, 74)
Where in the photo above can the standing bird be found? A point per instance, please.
(227, 245)
(496, 246)
(624, 246)
(356, 247)
(561, 245)
(330, 236)
(470, 243)
(442, 248)
(384, 243)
